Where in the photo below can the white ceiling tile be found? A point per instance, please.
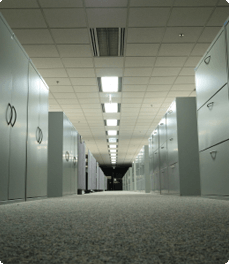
(61, 81)
(89, 101)
(137, 71)
(195, 3)
(133, 94)
(139, 62)
(41, 51)
(130, 110)
(130, 105)
(178, 93)
(21, 4)
(155, 94)
(160, 88)
(51, 96)
(175, 49)
(200, 49)
(132, 100)
(189, 16)
(100, 72)
(165, 71)
(222, 3)
(88, 95)
(114, 100)
(113, 95)
(68, 101)
(78, 62)
(86, 89)
(105, 3)
(178, 87)
(24, 18)
(191, 34)
(151, 3)
(106, 17)
(64, 95)
(153, 100)
(187, 71)
(84, 81)
(134, 88)
(70, 36)
(218, 17)
(145, 35)
(53, 73)
(70, 107)
(209, 34)
(135, 80)
(61, 18)
(60, 3)
(55, 109)
(47, 63)
(109, 62)
(53, 102)
(71, 51)
(33, 36)
(111, 116)
(162, 80)
(170, 61)
(77, 72)
(193, 94)
(142, 49)
(146, 17)
(192, 61)
(185, 80)
(91, 106)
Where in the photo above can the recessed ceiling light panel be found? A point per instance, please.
(112, 132)
(112, 122)
(109, 84)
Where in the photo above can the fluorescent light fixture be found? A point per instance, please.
(112, 132)
(111, 107)
(112, 140)
(112, 146)
(112, 150)
(113, 154)
(113, 162)
(109, 84)
(112, 122)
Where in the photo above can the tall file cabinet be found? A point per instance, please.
(211, 75)
(179, 159)
(81, 164)
(156, 160)
(62, 156)
(23, 108)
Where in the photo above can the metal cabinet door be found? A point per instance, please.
(174, 179)
(164, 181)
(157, 184)
(211, 74)
(6, 79)
(156, 160)
(66, 157)
(34, 135)
(155, 139)
(213, 121)
(75, 160)
(214, 170)
(171, 120)
(72, 155)
(43, 148)
(172, 149)
(19, 70)
(162, 130)
(163, 156)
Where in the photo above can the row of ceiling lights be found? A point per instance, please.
(110, 85)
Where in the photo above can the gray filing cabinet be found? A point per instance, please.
(23, 108)
(62, 156)
(81, 163)
(92, 171)
(176, 161)
(211, 75)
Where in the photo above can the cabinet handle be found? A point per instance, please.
(213, 152)
(74, 161)
(15, 118)
(11, 113)
(172, 166)
(207, 60)
(162, 147)
(41, 136)
(155, 153)
(67, 156)
(171, 139)
(38, 134)
(161, 124)
(170, 111)
(210, 104)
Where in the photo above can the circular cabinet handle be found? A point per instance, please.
(41, 136)
(15, 116)
(161, 124)
(74, 161)
(11, 113)
(213, 152)
(210, 104)
(171, 139)
(207, 60)
(38, 134)
(162, 147)
(67, 156)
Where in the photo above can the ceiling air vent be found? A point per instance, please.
(108, 41)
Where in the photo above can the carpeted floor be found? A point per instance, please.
(115, 227)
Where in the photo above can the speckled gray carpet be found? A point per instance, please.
(115, 227)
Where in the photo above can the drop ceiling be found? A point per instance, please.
(157, 65)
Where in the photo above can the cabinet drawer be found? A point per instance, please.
(163, 155)
(171, 120)
(214, 170)
(174, 180)
(172, 149)
(211, 74)
(155, 138)
(156, 160)
(156, 182)
(164, 181)
(213, 125)
(162, 130)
